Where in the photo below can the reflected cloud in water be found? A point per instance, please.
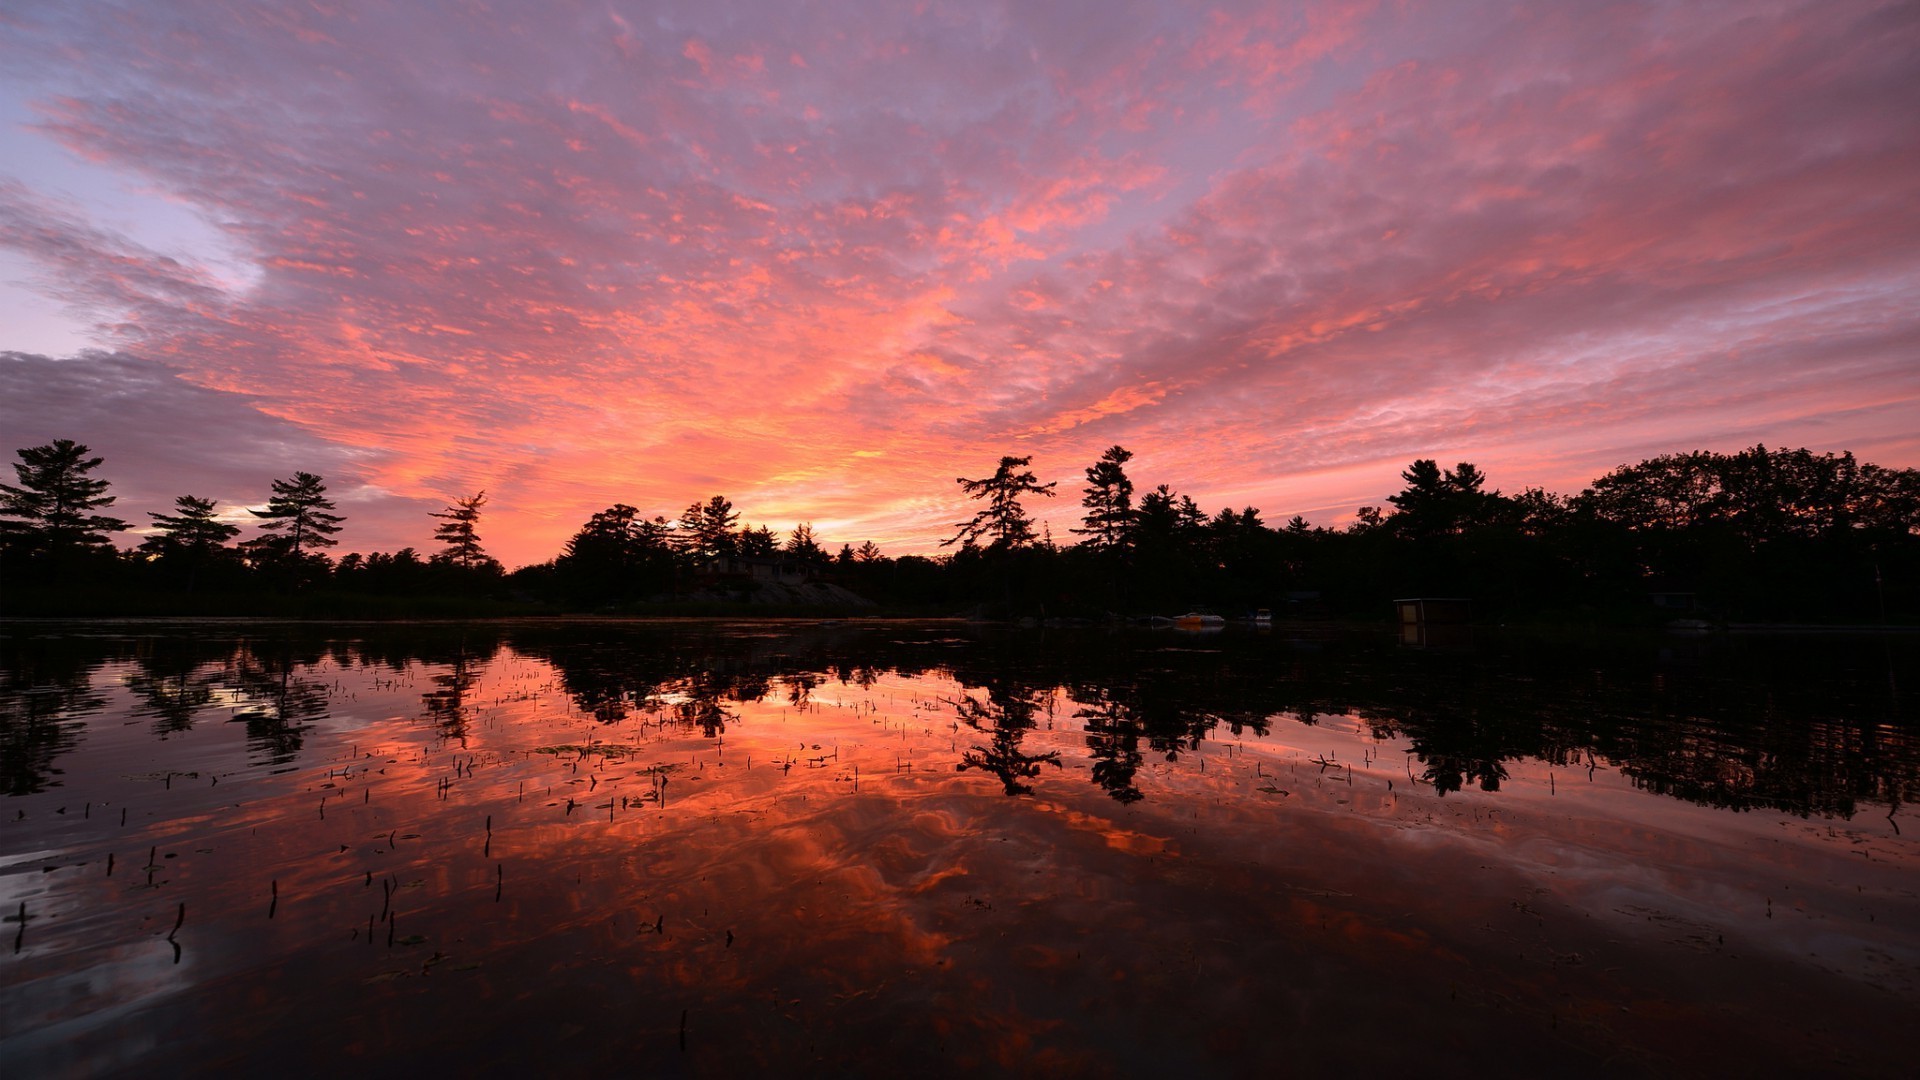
(954, 847)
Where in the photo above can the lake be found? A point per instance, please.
(717, 847)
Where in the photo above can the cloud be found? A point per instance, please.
(822, 266)
(161, 437)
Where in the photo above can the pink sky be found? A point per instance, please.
(823, 259)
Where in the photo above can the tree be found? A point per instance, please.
(1002, 518)
(617, 554)
(760, 542)
(1436, 503)
(55, 501)
(298, 517)
(191, 538)
(196, 529)
(1538, 512)
(706, 529)
(459, 534)
(1157, 520)
(802, 545)
(1108, 501)
(1189, 518)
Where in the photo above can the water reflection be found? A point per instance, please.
(45, 692)
(1806, 726)
(174, 686)
(957, 848)
(446, 703)
(1113, 745)
(276, 701)
(1005, 714)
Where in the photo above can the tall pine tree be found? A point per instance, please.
(1003, 518)
(298, 517)
(1108, 501)
(460, 532)
(53, 505)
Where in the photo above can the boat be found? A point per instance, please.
(1194, 620)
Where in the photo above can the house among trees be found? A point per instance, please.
(1452, 610)
(1435, 622)
(773, 569)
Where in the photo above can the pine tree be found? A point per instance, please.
(459, 532)
(297, 517)
(618, 555)
(1436, 503)
(707, 529)
(760, 542)
(193, 537)
(196, 528)
(1003, 518)
(55, 501)
(803, 546)
(1108, 501)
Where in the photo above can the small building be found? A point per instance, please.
(767, 568)
(1424, 610)
(1435, 622)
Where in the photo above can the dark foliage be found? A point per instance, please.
(1758, 535)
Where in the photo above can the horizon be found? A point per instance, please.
(821, 266)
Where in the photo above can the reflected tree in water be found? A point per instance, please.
(861, 675)
(800, 686)
(1456, 748)
(1741, 724)
(45, 690)
(1006, 715)
(1173, 715)
(705, 712)
(176, 679)
(446, 703)
(280, 705)
(604, 681)
(1113, 739)
(698, 701)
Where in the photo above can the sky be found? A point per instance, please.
(823, 259)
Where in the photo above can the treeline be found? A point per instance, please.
(1756, 535)
(1743, 722)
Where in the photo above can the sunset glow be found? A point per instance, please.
(823, 261)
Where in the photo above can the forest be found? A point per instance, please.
(1760, 535)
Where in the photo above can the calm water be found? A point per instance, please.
(715, 848)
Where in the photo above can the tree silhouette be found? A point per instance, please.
(1108, 501)
(53, 505)
(195, 529)
(617, 554)
(298, 517)
(804, 547)
(1113, 741)
(1436, 503)
(1007, 715)
(760, 542)
(459, 532)
(707, 529)
(1002, 518)
(192, 537)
